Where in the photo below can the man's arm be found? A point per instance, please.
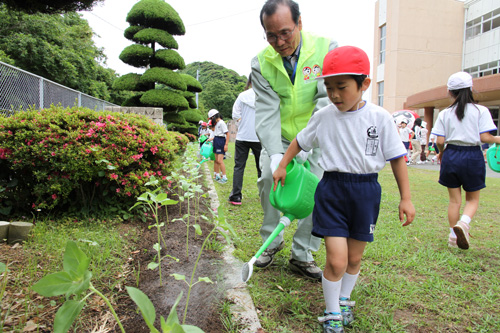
(267, 112)
(237, 109)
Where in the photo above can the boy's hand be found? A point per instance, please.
(406, 208)
(279, 174)
(225, 147)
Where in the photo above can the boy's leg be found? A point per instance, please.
(455, 195)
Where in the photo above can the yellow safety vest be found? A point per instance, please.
(296, 100)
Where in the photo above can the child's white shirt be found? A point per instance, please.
(477, 119)
(220, 128)
(357, 142)
(404, 134)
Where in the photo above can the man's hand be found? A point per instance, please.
(275, 160)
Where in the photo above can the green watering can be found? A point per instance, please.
(295, 200)
(493, 157)
(207, 151)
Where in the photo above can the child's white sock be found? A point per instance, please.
(452, 233)
(465, 219)
(348, 283)
(215, 174)
(331, 293)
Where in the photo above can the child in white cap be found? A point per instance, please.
(405, 133)
(220, 140)
(356, 139)
(460, 129)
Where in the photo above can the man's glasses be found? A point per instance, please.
(284, 35)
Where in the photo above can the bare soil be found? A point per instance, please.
(205, 298)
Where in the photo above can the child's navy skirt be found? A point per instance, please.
(463, 166)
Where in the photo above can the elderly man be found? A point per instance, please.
(283, 77)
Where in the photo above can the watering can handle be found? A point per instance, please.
(284, 222)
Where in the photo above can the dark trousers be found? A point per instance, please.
(240, 160)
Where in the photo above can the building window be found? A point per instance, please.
(483, 24)
(484, 69)
(382, 44)
(380, 86)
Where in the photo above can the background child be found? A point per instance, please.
(415, 141)
(204, 133)
(460, 129)
(404, 134)
(221, 140)
(356, 138)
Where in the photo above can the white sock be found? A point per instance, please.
(465, 219)
(215, 174)
(348, 283)
(331, 292)
(452, 233)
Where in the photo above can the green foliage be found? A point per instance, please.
(74, 280)
(136, 55)
(192, 84)
(58, 47)
(77, 160)
(221, 86)
(151, 35)
(130, 81)
(154, 22)
(165, 76)
(49, 6)
(192, 115)
(156, 14)
(167, 99)
(170, 59)
(130, 32)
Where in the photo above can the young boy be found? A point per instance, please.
(204, 133)
(221, 140)
(356, 139)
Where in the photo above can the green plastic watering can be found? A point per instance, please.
(493, 157)
(295, 200)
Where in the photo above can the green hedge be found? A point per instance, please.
(75, 159)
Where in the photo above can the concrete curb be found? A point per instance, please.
(242, 309)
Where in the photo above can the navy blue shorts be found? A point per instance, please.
(219, 143)
(346, 205)
(407, 144)
(463, 166)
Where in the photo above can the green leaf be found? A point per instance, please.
(54, 284)
(110, 167)
(101, 173)
(152, 265)
(172, 316)
(178, 276)
(204, 279)
(3, 267)
(74, 260)
(191, 329)
(197, 229)
(157, 247)
(145, 306)
(66, 315)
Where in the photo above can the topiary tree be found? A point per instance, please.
(152, 26)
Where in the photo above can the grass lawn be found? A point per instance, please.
(410, 280)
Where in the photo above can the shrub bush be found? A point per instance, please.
(76, 160)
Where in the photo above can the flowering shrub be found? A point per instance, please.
(76, 159)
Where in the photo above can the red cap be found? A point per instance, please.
(345, 60)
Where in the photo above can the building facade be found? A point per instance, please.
(419, 44)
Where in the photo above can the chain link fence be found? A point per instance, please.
(20, 89)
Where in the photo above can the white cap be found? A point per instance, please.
(424, 124)
(212, 113)
(459, 80)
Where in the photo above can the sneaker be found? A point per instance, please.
(267, 257)
(346, 306)
(217, 178)
(222, 180)
(235, 201)
(332, 322)
(308, 269)
(462, 231)
(452, 241)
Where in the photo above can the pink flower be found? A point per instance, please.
(117, 190)
(54, 196)
(154, 149)
(129, 194)
(53, 154)
(114, 176)
(146, 174)
(136, 157)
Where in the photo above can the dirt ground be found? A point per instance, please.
(204, 301)
(205, 298)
